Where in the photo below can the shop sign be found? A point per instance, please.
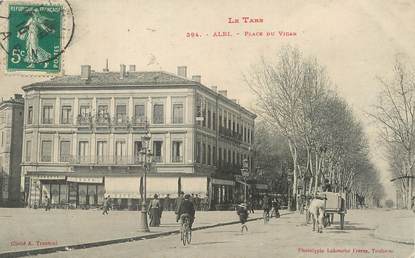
(91, 180)
(49, 177)
(222, 182)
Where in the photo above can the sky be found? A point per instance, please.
(356, 41)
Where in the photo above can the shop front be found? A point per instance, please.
(85, 192)
(123, 191)
(221, 194)
(52, 186)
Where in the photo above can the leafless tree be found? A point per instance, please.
(325, 140)
(395, 115)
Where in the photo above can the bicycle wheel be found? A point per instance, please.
(189, 234)
(183, 234)
(265, 215)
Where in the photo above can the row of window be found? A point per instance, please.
(102, 114)
(206, 154)
(225, 121)
(158, 116)
(102, 152)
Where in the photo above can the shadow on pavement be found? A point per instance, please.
(209, 243)
(335, 231)
(221, 231)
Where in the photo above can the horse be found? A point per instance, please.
(317, 209)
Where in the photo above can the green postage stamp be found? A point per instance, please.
(35, 40)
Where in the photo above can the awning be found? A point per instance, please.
(195, 185)
(162, 186)
(222, 182)
(50, 177)
(122, 187)
(90, 180)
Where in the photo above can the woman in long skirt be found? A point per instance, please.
(154, 211)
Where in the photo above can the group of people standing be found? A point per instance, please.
(184, 204)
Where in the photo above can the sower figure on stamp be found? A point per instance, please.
(30, 33)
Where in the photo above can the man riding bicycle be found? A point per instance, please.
(275, 208)
(186, 209)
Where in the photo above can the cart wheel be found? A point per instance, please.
(341, 221)
(326, 219)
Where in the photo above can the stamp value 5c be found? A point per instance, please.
(34, 42)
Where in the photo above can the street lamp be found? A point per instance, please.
(147, 159)
(245, 174)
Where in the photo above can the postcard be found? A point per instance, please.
(207, 128)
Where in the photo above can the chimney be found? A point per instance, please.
(182, 71)
(223, 92)
(131, 68)
(215, 88)
(18, 96)
(106, 70)
(122, 71)
(197, 78)
(85, 72)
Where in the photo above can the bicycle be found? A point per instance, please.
(185, 230)
(266, 216)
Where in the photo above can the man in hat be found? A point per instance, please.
(47, 203)
(186, 208)
(242, 211)
(106, 205)
(327, 186)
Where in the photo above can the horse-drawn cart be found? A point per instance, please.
(333, 203)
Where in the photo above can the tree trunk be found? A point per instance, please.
(293, 150)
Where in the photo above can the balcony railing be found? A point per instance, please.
(104, 119)
(230, 134)
(106, 160)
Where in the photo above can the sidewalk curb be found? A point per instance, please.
(382, 236)
(65, 248)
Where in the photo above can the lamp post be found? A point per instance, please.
(245, 174)
(147, 159)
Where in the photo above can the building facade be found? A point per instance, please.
(83, 138)
(11, 131)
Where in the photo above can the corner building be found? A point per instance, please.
(83, 135)
(11, 131)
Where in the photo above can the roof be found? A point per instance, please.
(131, 79)
(113, 79)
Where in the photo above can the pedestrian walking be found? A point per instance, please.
(242, 212)
(251, 204)
(179, 201)
(197, 202)
(106, 205)
(47, 203)
(166, 204)
(154, 211)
